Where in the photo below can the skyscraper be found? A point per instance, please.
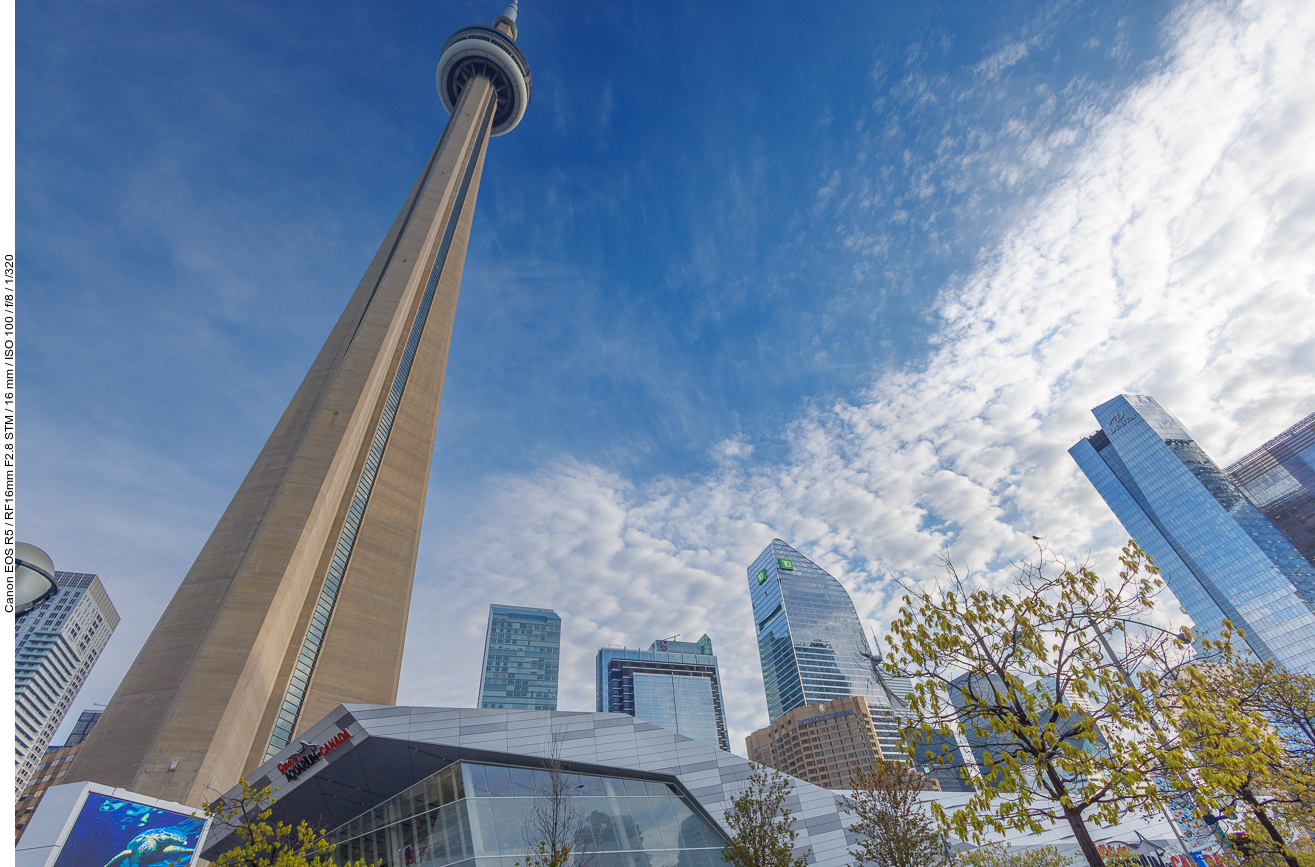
(674, 684)
(86, 722)
(812, 644)
(299, 599)
(825, 744)
(50, 772)
(522, 649)
(1219, 553)
(1279, 478)
(54, 650)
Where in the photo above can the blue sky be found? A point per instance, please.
(850, 277)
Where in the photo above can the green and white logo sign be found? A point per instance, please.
(762, 575)
(785, 564)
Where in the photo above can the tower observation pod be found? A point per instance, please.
(490, 52)
(299, 599)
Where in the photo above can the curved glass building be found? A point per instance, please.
(480, 812)
(811, 642)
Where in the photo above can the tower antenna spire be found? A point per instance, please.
(508, 19)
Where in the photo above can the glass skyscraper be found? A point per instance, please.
(1218, 552)
(86, 722)
(674, 684)
(1279, 477)
(521, 652)
(811, 643)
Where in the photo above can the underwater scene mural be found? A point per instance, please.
(111, 832)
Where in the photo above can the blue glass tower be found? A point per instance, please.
(811, 643)
(522, 648)
(1279, 477)
(1219, 554)
(674, 684)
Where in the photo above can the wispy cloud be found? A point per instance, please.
(1170, 256)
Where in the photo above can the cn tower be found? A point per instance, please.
(299, 599)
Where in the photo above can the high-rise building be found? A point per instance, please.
(989, 747)
(812, 645)
(674, 684)
(947, 758)
(49, 772)
(522, 650)
(825, 744)
(86, 722)
(54, 650)
(299, 599)
(1279, 478)
(1219, 553)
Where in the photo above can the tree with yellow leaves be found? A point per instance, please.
(1000, 855)
(1249, 730)
(265, 843)
(1068, 730)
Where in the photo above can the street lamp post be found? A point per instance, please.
(34, 578)
(1127, 679)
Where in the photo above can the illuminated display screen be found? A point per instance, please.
(111, 832)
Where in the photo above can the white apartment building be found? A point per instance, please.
(54, 650)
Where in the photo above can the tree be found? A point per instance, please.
(1064, 725)
(1000, 855)
(762, 835)
(1249, 728)
(554, 829)
(893, 828)
(262, 843)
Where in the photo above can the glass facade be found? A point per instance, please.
(674, 684)
(482, 815)
(521, 652)
(811, 643)
(1279, 478)
(1219, 553)
(86, 722)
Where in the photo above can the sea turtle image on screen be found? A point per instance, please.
(158, 847)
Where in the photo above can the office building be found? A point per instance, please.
(86, 722)
(987, 747)
(1218, 552)
(299, 598)
(638, 795)
(674, 684)
(947, 758)
(825, 744)
(1279, 478)
(51, 771)
(54, 650)
(522, 649)
(53, 768)
(812, 645)
(452, 787)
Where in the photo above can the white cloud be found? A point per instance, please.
(732, 449)
(1172, 258)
